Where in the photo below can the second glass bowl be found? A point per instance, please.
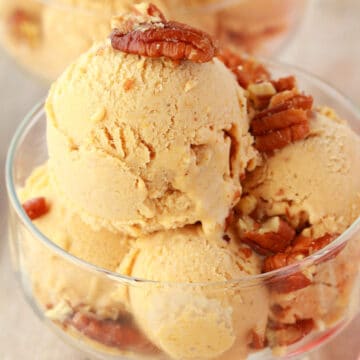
(45, 36)
(91, 307)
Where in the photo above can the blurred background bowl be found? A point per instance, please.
(45, 36)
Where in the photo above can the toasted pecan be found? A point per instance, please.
(257, 341)
(285, 83)
(246, 70)
(302, 247)
(280, 138)
(286, 120)
(35, 207)
(163, 38)
(270, 241)
(278, 121)
(119, 334)
(287, 334)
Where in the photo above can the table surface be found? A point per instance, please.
(326, 45)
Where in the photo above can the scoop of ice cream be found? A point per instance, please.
(194, 321)
(312, 181)
(63, 281)
(139, 144)
(314, 184)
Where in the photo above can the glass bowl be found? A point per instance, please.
(112, 316)
(45, 36)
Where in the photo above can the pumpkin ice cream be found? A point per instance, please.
(182, 174)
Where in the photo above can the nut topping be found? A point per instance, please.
(120, 334)
(302, 247)
(257, 341)
(247, 70)
(35, 207)
(273, 236)
(287, 334)
(283, 122)
(157, 37)
(283, 84)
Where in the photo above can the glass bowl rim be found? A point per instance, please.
(245, 281)
(212, 6)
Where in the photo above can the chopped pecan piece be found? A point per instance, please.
(301, 248)
(289, 283)
(308, 246)
(287, 334)
(257, 342)
(247, 70)
(274, 236)
(286, 283)
(35, 207)
(120, 334)
(154, 11)
(158, 38)
(288, 100)
(286, 83)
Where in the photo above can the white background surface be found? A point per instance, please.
(327, 45)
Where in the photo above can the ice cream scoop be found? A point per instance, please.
(138, 144)
(199, 321)
(314, 180)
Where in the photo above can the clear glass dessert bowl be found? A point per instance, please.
(113, 316)
(45, 36)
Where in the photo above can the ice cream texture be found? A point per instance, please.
(138, 145)
(198, 321)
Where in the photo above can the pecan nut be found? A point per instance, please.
(257, 342)
(161, 38)
(287, 334)
(285, 83)
(274, 236)
(302, 247)
(247, 70)
(35, 207)
(119, 334)
(278, 139)
(286, 120)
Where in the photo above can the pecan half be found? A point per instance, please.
(280, 138)
(287, 334)
(247, 70)
(286, 120)
(163, 38)
(35, 207)
(274, 236)
(119, 334)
